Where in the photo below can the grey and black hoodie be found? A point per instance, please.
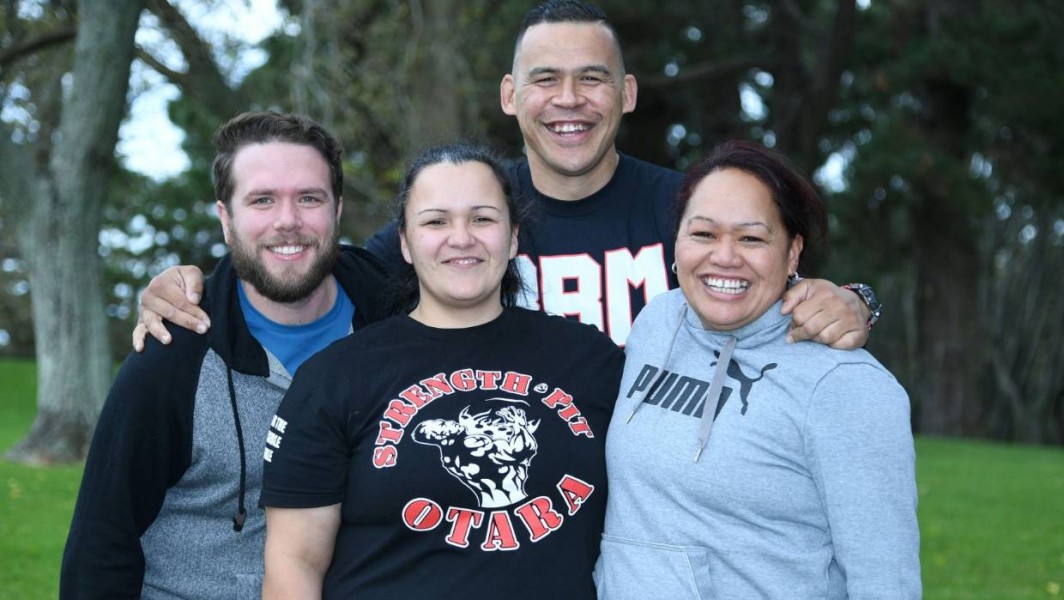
(802, 486)
(168, 506)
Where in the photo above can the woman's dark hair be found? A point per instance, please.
(801, 209)
(406, 292)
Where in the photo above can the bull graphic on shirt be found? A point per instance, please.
(488, 449)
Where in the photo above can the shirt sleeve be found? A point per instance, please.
(385, 245)
(141, 447)
(860, 449)
(306, 455)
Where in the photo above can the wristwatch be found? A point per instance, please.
(867, 296)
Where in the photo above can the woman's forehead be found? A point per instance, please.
(457, 186)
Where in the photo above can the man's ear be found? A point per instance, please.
(339, 209)
(629, 91)
(224, 217)
(507, 95)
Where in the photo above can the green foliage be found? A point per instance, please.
(990, 516)
(147, 227)
(952, 142)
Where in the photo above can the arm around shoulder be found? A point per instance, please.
(385, 245)
(827, 314)
(173, 296)
(860, 449)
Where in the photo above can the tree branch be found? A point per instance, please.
(824, 87)
(176, 77)
(707, 71)
(38, 42)
(203, 81)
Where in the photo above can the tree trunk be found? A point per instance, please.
(442, 101)
(805, 90)
(950, 348)
(59, 239)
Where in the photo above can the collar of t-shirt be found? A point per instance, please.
(603, 198)
(294, 344)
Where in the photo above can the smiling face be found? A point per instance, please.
(459, 240)
(282, 222)
(568, 91)
(733, 253)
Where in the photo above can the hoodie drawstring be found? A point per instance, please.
(664, 365)
(241, 512)
(709, 410)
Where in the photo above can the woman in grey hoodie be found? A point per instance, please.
(741, 466)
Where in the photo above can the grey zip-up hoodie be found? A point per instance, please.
(168, 503)
(804, 486)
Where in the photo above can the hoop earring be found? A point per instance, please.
(793, 278)
(674, 268)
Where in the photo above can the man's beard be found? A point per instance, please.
(248, 267)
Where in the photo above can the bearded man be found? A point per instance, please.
(167, 506)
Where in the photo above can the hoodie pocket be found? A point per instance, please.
(630, 569)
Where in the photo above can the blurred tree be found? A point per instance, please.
(936, 115)
(392, 77)
(954, 201)
(54, 183)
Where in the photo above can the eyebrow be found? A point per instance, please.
(273, 191)
(554, 70)
(743, 225)
(477, 207)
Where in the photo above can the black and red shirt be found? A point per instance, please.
(468, 461)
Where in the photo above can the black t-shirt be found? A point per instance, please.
(469, 462)
(602, 258)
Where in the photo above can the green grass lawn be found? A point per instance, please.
(35, 503)
(991, 520)
(991, 515)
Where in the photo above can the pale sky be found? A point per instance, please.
(148, 142)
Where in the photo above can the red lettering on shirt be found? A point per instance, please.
(462, 520)
(419, 397)
(568, 411)
(575, 492)
(464, 380)
(400, 412)
(500, 534)
(581, 427)
(489, 380)
(422, 514)
(516, 383)
(384, 457)
(539, 517)
(388, 434)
